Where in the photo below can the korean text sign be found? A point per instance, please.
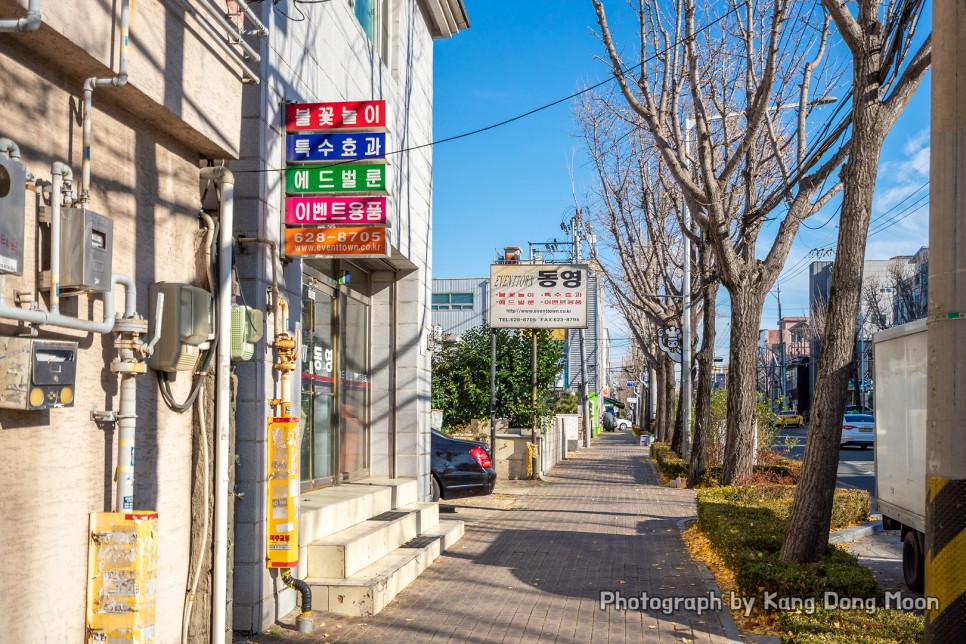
(308, 117)
(338, 146)
(336, 210)
(282, 549)
(335, 241)
(361, 177)
(538, 296)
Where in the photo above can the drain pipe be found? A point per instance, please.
(219, 583)
(30, 21)
(8, 147)
(117, 81)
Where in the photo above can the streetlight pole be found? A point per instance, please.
(686, 312)
(781, 338)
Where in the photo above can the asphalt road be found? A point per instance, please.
(856, 465)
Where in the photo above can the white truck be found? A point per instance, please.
(900, 440)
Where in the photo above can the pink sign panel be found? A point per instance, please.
(335, 210)
(347, 115)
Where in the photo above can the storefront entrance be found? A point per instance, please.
(335, 382)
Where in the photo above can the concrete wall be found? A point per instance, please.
(511, 450)
(327, 57)
(182, 104)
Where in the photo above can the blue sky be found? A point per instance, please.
(512, 185)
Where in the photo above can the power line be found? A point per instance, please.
(546, 106)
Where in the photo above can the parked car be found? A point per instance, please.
(858, 429)
(460, 468)
(623, 423)
(856, 409)
(789, 418)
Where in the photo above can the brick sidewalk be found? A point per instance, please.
(532, 569)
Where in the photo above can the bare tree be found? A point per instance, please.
(878, 37)
(908, 294)
(714, 104)
(878, 308)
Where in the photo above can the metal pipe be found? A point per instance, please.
(232, 30)
(89, 85)
(248, 74)
(274, 252)
(219, 582)
(45, 318)
(11, 149)
(30, 22)
(193, 583)
(260, 28)
(60, 173)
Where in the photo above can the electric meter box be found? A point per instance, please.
(187, 322)
(13, 199)
(246, 330)
(37, 374)
(86, 251)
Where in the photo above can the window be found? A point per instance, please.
(373, 15)
(452, 301)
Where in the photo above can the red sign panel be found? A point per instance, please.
(347, 115)
(338, 241)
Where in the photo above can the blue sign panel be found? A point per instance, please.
(313, 148)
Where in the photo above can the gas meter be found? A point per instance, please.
(187, 325)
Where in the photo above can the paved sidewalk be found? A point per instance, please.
(882, 552)
(531, 567)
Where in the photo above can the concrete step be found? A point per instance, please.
(368, 591)
(345, 553)
(333, 509)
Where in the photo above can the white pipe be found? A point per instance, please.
(58, 320)
(116, 81)
(219, 582)
(11, 149)
(127, 418)
(260, 28)
(30, 21)
(60, 173)
(247, 74)
(232, 30)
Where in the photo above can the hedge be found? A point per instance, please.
(745, 525)
(668, 461)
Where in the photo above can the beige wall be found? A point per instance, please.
(147, 142)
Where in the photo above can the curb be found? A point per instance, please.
(727, 621)
(856, 532)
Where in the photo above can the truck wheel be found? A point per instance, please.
(913, 563)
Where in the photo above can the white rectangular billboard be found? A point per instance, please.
(538, 296)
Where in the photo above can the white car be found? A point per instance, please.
(858, 429)
(622, 424)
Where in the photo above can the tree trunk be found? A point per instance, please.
(670, 400)
(812, 511)
(702, 405)
(746, 306)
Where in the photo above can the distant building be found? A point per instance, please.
(459, 304)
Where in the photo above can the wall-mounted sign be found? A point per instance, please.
(338, 146)
(336, 210)
(368, 115)
(669, 340)
(361, 177)
(538, 296)
(282, 549)
(336, 241)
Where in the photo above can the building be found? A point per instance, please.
(459, 304)
(186, 132)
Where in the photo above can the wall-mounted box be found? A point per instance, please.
(37, 374)
(86, 250)
(13, 198)
(187, 322)
(246, 329)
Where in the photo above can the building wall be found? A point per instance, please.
(148, 138)
(456, 323)
(327, 57)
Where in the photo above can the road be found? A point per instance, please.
(855, 464)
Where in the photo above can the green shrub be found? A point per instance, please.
(745, 525)
(668, 461)
(850, 627)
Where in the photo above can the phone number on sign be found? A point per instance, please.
(541, 319)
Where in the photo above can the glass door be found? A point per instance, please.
(353, 390)
(319, 370)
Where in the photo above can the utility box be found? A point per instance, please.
(246, 330)
(187, 323)
(13, 199)
(37, 374)
(86, 251)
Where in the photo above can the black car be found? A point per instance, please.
(460, 468)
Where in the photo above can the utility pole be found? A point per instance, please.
(686, 315)
(533, 401)
(945, 482)
(575, 231)
(493, 393)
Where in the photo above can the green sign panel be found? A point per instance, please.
(352, 177)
